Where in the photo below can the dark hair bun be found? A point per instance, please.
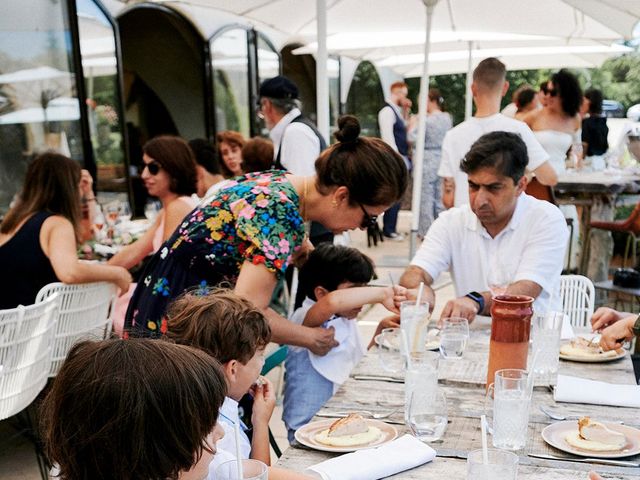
(349, 128)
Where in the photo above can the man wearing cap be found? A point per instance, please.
(297, 143)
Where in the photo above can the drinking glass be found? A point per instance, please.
(98, 223)
(124, 211)
(112, 211)
(414, 322)
(511, 399)
(151, 209)
(546, 341)
(454, 335)
(421, 376)
(389, 354)
(498, 280)
(251, 470)
(427, 417)
(501, 466)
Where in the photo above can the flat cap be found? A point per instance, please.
(278, 87)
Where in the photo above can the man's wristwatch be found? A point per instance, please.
(636, 327)
(478, 298)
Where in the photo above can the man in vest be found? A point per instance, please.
(393, 130)
(297, 143)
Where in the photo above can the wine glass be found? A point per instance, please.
(98, 222)
(124, 211)
(151, 210)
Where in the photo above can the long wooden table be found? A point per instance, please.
(463, 382)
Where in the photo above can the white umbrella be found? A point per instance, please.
(58, 110)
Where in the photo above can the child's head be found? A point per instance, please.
(133, 409)
(227, 327)
(331, 267)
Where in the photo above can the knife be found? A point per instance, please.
(602, 461)
(343, 415)
(378, 378)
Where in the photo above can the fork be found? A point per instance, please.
(556, 416)
(367, 413)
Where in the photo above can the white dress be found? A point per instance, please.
(557, 144)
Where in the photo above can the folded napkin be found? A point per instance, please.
(104, 250)
(567, 332)
(581, 390)
(397, 456)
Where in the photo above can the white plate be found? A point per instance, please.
(433, 342)
(306, 435)
(556, 433)
(621, 352)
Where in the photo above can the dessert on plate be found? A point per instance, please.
(581, 347)
(596, 437)
(351, 431)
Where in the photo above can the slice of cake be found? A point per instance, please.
(596, 437)
(352, 424)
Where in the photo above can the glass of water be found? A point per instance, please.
(546, 333)
(388, 343)
(421, 376)
(501, 465)
(454, 335)
(427, 414)
(251, 470)
(511, 399)
(414, 322)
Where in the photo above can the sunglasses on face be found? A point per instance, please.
(368, 220)
(153, 167)
(552, 92)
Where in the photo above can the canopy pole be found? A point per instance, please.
(468, 96)
(418, 156)
(322, 76)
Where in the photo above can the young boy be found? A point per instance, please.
(232, 330)
(333, 280)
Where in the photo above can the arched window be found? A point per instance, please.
(366, 98)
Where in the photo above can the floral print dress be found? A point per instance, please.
(254, 218)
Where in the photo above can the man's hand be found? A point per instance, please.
(615, 334)
(604, 317)
(86, 183)
(264, 401)
(322, 340)
(388, 322)
(460, 307)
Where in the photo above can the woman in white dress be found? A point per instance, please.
(557, 128)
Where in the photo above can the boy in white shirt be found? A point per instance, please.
(232, 330)
(333, 280)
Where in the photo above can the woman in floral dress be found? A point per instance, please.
(245, 236)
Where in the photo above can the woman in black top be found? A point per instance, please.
(594, 131)
(38, 235)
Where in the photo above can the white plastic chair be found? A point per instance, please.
(26, 337)
(578, 299)
(85, 313)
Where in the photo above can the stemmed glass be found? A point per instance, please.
(124, 211)
(151, 210)
(98, 222)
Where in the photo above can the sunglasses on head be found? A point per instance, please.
(368, 220)
(153, 167)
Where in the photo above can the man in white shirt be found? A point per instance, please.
(488, 87)
(392, 120)
(502, 234)
(297, 143)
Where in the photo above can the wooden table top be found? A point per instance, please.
(463, 383)
(597, 182)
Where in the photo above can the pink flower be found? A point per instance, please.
(260, 189)
(262, 203)
(284, 245)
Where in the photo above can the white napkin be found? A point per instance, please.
(104, 250)
(397, 456)
(567, 332)
(581, 390)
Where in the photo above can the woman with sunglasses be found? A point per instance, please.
(39, 236)
(169, 173)
(557, 128)
(246, 235)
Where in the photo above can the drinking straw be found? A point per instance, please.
(236, 431)
(391, 280)
(483, 428)
(532, 370)
(405, 344)
(420, 290)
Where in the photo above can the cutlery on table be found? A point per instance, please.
(602, 461)
(379, 378)
(557, 416)
(364, 413)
